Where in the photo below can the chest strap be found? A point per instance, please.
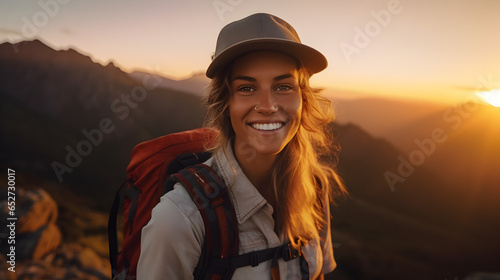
(285, 251)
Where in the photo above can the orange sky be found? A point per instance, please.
(443, 50)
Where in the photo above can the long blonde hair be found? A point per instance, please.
(300, 176)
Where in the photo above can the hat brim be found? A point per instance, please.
(312, 59)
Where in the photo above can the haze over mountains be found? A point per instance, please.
(195, 84)
(74, 123)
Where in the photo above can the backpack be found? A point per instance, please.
(155, 167)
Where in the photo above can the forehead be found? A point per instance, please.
(263, 63)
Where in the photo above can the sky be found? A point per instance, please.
(439, 50)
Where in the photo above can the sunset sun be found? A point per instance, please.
(492, 97)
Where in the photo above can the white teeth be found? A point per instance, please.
(267, 126)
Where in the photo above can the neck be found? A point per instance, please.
(257, 169)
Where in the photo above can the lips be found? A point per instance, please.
(267, 126)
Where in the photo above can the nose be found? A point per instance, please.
(266, 103)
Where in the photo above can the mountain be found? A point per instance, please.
(61, 107)
(425, 219)
(77, 121)
(468, 134)
(457, 144)
(468, 159)
(386, 118)
(195, 84)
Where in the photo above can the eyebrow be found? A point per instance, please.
(251, 79)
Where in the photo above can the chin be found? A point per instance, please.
(253, 147)
(270, 151)
(267, 144)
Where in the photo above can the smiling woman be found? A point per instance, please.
(272, 132)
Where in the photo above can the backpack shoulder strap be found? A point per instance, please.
(210, 195)
(112, 231)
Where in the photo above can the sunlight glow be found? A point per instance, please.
(492, 97)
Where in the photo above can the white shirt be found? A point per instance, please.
(172, 240)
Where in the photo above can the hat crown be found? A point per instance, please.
(262, 32)
(255, 27)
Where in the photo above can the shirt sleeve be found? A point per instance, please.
(329, 263)
(171, 241)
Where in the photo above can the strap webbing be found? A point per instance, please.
(304, 268)
(132, 193)
(285, 251)
(112, 232)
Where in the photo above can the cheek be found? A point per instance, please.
(237, 111)
(294, 108)
(233, 111)
(240, 106)
(232, 115)
(299, 115)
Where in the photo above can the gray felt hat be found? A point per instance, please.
(262, 32)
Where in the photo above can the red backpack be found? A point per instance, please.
(155, 167)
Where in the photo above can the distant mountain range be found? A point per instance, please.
(195, 84)
(75, 122)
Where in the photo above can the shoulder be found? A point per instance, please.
(177, 213)
(179, 198)
(174, 235)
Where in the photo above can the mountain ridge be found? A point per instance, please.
(195, 84)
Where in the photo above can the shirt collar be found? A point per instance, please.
(245, 197)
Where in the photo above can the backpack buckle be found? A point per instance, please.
(289, 253)
(217, 202)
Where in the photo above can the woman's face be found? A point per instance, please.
(266, 103)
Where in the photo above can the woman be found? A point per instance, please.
(271, 136)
